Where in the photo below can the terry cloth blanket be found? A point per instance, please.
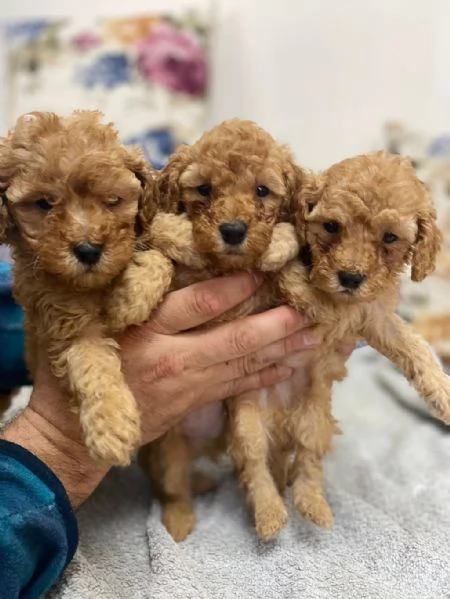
(388, 481)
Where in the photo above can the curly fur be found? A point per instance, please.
(65, 181)
(234, 158)
(365, 197)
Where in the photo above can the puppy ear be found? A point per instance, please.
(136, 163)
(8, 168)
(293, 177)
(5, 220)
(428, 242)
(311, 191)
(168, 187)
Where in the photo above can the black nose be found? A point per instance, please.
(88, 253)
(233, 233)
(350, 280)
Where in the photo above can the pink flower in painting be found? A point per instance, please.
(174, 60)
(85, 41)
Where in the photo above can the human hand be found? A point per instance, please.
(173, 369)
(170, 373)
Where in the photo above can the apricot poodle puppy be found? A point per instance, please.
(232, 189)
(360, 222)
(73, 203)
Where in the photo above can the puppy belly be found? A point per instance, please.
(204, 424)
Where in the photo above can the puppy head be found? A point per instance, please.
(235, 184)
(364, 219)
(72, 195)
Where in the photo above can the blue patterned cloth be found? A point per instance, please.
(13, 372)
(38, 529)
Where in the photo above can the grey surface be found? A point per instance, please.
(5, 255)
(388, 481)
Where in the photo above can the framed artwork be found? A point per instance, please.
(148, 74)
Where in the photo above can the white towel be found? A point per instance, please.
(388, 481)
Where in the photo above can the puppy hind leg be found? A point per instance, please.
(168, 462)
(307, 488)
(249, 449)
(280, 463)
(313, 429)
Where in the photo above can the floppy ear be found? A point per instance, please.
(293, 177)
(8, 167)
(167, 181)
(136, 163)
(5, 220)
(305, 200)
(428, 243)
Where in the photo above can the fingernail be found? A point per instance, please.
(312, 338)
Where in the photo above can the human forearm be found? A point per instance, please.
(56, 442)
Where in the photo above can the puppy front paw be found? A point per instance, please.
(112, 449)
(139, 291)
(111, 437)
(283, 248)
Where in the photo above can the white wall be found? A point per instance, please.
(322, 75)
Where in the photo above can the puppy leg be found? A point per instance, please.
(249, 449)
(307, 490)
(168, 462)
(139, 290)
(393, 338)
(108, 413)
(312, 427)
(202, 484)
(283, 247)
(280, 463)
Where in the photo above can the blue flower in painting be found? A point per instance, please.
(157, 144)
(27, 31)
(109, 71)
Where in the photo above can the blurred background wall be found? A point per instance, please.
(323, 75)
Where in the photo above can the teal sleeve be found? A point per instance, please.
(13, 372)
(38, 530)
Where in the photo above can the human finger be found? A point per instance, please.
(258, 380)
(199, 303)
(293, 345)
(244, 336)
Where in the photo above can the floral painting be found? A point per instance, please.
(149, 74)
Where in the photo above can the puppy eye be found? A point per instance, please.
(204, 190)
(115, 201)
(331, 226)
(262, 191)
(43, 204)
(390, 238)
